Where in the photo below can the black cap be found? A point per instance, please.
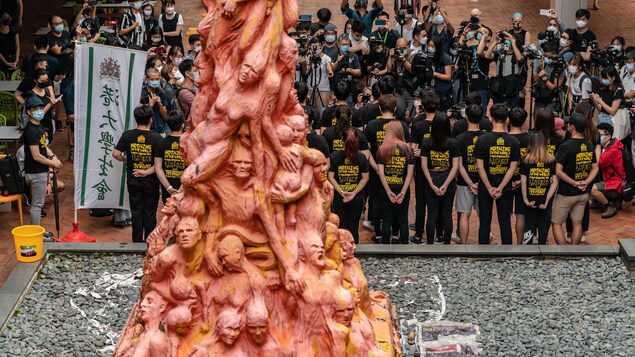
(578, 120)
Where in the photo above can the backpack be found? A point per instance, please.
(629, 180)
(12, 180)
(595, 83)
(178, 101)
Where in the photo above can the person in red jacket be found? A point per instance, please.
(608, 193)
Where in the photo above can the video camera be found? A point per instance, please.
(401, 17)
(532, 51)
(548, 36)
(455, 111)
(374, 41)
(303, 44)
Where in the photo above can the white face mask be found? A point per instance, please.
(573, 69)
(563, 42)
(580, 23)
(169, 10)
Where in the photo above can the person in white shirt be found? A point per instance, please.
(627, 74)
(359, 42)
(419, 38)
(407, 29)
(318, 76)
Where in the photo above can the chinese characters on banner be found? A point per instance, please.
(107, 90)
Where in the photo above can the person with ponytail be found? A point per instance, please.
(538, 186)
(349, 174)
(395, 167)
(440, 160)
(336, 135)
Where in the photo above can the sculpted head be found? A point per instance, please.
(179, 319)
(231, 252)
(298, 125)
(320, 168)
(151, 307)
(285, 135)
(258, 321)
(247, 74)
(347, 244)
(241, 162)
(313, 250)
(228, 325)
(188, 232)
(343, 306)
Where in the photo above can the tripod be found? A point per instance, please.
(462, 77)
(316, 63)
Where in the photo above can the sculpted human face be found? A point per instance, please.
(315, 254)
(188, 233)
(344, 312)
(299, 129)
(320, 170)
(228, 331)
(151, 307)
(258, 330)
(231, 257)
(247, 74)
(347, 245)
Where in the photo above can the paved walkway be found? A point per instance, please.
(496, 13)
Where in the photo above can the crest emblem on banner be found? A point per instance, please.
(110, 69)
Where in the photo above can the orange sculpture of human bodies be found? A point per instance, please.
(248, 259)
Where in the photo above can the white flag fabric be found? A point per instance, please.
(107, 90)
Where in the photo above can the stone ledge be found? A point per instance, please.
(16, 287)
(627, 252)
(578, 250)
(96, 247)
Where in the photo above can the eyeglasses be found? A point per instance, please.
(58, 23)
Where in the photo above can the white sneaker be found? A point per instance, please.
(568, 239)
(368, 225)
(491, 237)
(456, 238)
(583, 239)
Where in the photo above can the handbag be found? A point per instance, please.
(621, 123)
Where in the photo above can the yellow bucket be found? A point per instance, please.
(29, 243)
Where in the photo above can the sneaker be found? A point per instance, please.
(368, 225)
(376, 239)
(456, 239)
(491, 237)
(568, 239)
(416, 240)
(583, 239)
(128, 221)
(43, 213)
(609, 212)
(412, 226)
(395, 240)
(120, 224)
(48, 237)
(439, 240)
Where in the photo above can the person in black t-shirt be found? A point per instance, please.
(611, 95)
(497, 154)
(582, 36)
(348, 174)
(517, 118)
(467, 186)
(168, 163)
(440, 160)
(576, 167)
(395, 166)
(335, 135)
(461, 125)
(375, 132)
(139, 146)
(58, 37)
(539, 185)
(342, 91)
(9, 44)
(37, 159)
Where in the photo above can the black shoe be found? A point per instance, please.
(439, 240)
(416, 240)
(43, 213)
(395, 240)
(120, 224)
(48, 237)
(412, 226)
(376, 240)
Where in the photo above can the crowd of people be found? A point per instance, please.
(388, 105)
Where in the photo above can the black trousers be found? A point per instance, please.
(420, 201)
(539, 220)
(349, 213)
(585, 220)
(439, 210)
(503, 210)
(374, 201)
(390, 211)
(144, 200)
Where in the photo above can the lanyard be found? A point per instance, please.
(385, 37)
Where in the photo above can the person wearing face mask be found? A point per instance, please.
(611, 95)
(9, 45)
(130, 27)
(15, 10)
(168, 75)
(149, 21)
(58, 37)
(419, 38)
(155, 44)
(616, 51)
(38, 157)
(383, 33)
(546, 81)
(406, 30)
(442, 28)
(154, 95)
(43, 90)
(507, 83)
(87, 13)
(579, 83)
(522, 38)
(39, 63)
(607, 193)
(359, 42)
(565, 46)
(330, 38)
(172, 24)
(362, 14)
(175, 56)
(442, 71)
(582, 36)
(195, 46)
(88, 31)
(377, 59)
(187, 92)
(627, 75)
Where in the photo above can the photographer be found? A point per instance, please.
(507, 83)
(347, 66)
(383, 33)
(130, 27)
(155, 44)
(330, 41)
(616, 51)
(565, 46)
(88, 31)
(362, 14)
(521, 35)
(419, 38)
(582, 37)
(611, 95)
(317, 28)
(318, 71)
(627, 75)
(406, 23)
(87, 12)
(478, 65)
(548, 73)
(397, 66)
(441, 71)
(442, 28)
(377, 59)
(359, 42)
(579, 82)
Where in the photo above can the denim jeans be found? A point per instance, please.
(604, 118)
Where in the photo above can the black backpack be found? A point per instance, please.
(629, 180)
(595, 83)
(12, 180)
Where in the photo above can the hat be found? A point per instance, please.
(33, 102)
(559, 123)
(361, 3)
(330, 27)
(578, 120)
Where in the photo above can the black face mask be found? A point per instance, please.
(6, 22)
(42, 85)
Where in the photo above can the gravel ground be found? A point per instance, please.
(47, 324)
(580, 307)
